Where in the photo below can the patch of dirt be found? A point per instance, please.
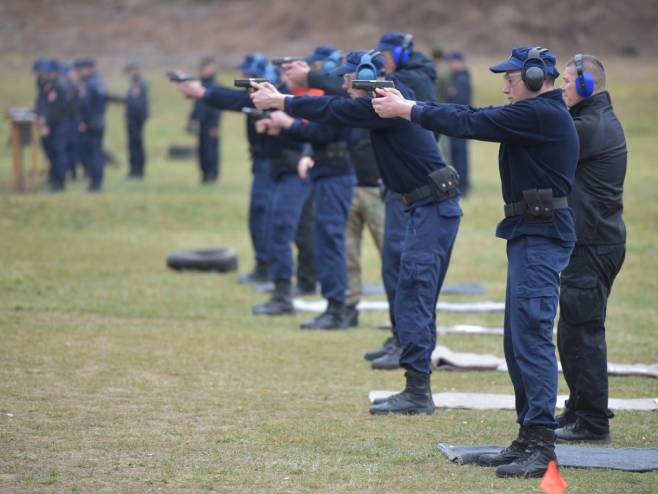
(163, 32)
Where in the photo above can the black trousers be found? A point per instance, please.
(136, 154)
(306, 275)
(585, 288)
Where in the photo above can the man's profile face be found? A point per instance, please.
(347, 86)
(389, 64)
(514, 88)
(207, 70)
(569, 93)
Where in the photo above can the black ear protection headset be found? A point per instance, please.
(366, 70)
(584, 81)
(533, 76)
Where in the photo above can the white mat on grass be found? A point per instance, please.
(490, 401)
(382, 305)
(469, 329)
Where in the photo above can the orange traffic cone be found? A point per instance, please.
(553, 483)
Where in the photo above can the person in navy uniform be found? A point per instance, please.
(537, 161)
(596, 199)
(410, 165)
(288, 193)
(207, 120)
(459, 92)
(71, 120)
(137, 112)
(92, 103)
(52, 114)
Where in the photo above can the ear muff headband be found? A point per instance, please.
(584, 81)
(401, 53)
(332, 61)
(533, 76)
(366, 69)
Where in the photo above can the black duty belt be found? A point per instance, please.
(535, 209)
(333, 153)
(442, 185)
(416, 195)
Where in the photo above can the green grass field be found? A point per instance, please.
(118, 375)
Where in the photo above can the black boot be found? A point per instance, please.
(302, 289)
(390, 360)
(380, 352)
(566, 417)
(351, 315)
(578, 432)
(538, 453)
(280, 302)
(260, 274)
(332, 318)
(416, 398)
(508, 455)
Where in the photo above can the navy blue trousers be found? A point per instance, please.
(259, 203)
(91, 155)
(71, 152)
(333, 200)
(395, 226)
(208, 154)
(136, 154)
(54, 145)
(429, 237)
(533, 284)
(289, 194)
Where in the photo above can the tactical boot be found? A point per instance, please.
(577, 432)
(416, 398)
(280, 302)
(380, 352)
(351, 315)
(332, 318)
(390, 360)
(260, 274)
(511, 453)
(539, 451)
(566, 417)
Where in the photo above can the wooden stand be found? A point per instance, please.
(24, 132)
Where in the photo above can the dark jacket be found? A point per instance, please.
(363, 158)
(538, 150)
(330, 84)
(330, 150)
(419, 75)
(282, 151)
(53, 101)
(137, 100)
(92, 102)
(460, 88)
(596, 197)
(208, 116)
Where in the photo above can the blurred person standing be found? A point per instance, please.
(459, 92)
(137, 112)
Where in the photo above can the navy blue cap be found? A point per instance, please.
(518, 56)
(253, 64)
(51, 65)
(390, 40)
(455, 55)
(321, 53)
(79, 63)
(39, 64)
(352, 61)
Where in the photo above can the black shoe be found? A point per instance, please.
(260, 274)
(280, 303)
(577, 432)
(301, 290)
(505, 456)
(332, 318)
(566, 417)
(539, 451)
(380, 352)
(351, 315)
(415, 399)
(390, 360)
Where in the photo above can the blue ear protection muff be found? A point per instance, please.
(332, 61)
(534, 76)
(271, 74)
(366, 70)
(401, 53)
(584, 81)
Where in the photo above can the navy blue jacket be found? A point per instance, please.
(405, 153)
(419, 75)
(207, 115)
(321, 136)
(53, 101)
(279, 150)
(137, 100)
(539, 150)
(460, 88)
(92, 102)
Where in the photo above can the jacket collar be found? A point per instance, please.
(597, 101)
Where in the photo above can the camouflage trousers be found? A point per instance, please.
(367, 211)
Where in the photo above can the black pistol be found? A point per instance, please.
(246, 83)
(366, 85)
(278, 62)
(178, 77)
(255, 113)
